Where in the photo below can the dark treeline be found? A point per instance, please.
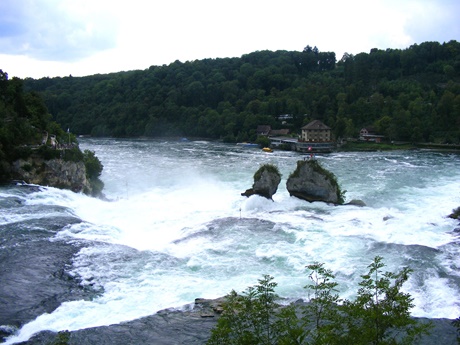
(23, 120)
(25, 129)
(410, 95)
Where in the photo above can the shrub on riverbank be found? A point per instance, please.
(379, 315)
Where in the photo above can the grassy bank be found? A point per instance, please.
(367, 146)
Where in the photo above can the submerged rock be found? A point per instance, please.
(34, 275)
(311, 182)
(266, 181)
(356, 202)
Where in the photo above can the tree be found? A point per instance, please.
(322, 310)
(247, 319)
(379, 315)
(92, 163)
(363, 88)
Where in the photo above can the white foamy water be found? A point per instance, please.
(177, 228)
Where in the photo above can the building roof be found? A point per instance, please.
(263, 129)
(315, 124)
(370, 129)
(279, 132)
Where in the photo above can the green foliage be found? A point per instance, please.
(62, 338)
(263, 141)
(266, 167)
(24, 119)
(397, 91)
(92, 163)
(379, 315)
(247, 319)
(47, 152)
(323, 311)
(94, 169)
(368, 146)
(73, 154)
(20, 152)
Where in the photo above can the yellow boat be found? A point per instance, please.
(267, 149)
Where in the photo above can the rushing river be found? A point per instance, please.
(176, 228)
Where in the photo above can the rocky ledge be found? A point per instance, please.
(54, 172)
(191, 325)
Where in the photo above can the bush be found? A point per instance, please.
(263, 141)
(72, 155)
(62, 338)
(269, 167)
(379, 315)
(47, 152)
(21, 152)
(248, 319)
(93, 164)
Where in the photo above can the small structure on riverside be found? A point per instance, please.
(316, 131)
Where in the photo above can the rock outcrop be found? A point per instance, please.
(53, 172)
(356, 202)
(193, 325)
(455, 213)
(266, 181)
(311, 182)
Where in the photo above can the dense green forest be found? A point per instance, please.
(408, 95)
(24, 122)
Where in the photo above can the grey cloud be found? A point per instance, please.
(42, 29)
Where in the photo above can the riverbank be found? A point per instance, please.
(191, 325)
(371, 146)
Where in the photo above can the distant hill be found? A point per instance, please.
(407, 95)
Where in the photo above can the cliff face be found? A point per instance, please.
(54, 173)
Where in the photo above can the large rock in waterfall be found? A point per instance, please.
(455, 213)
(266, 181)
(311, 182)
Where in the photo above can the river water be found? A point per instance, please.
(176, 228)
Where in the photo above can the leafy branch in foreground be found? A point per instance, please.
(379, 314)
(247, 319)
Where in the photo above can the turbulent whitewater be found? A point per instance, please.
(175, 228)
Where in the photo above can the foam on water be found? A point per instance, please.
(180, 229)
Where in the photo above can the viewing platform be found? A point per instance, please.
(303, 146)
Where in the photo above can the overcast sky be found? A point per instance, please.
(40, 38)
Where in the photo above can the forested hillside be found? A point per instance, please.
(411, 94)
(26, 129)
(23, 120)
